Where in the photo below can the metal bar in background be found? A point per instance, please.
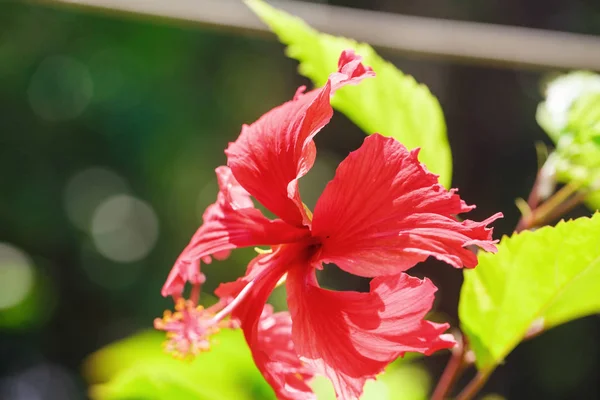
(464, 41)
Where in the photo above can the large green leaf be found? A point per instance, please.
(537, 280)
(137, 368)
(392, 104)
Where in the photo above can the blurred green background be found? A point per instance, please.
(110, 131)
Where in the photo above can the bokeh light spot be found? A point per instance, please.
(87, 189)
(124, 229)
(60, 89)
(16, 276)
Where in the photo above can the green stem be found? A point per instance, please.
(548, 210)
(564, 208)
(541, 213)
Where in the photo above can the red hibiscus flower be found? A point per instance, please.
(381, 214)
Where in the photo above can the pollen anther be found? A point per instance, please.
(188, 329)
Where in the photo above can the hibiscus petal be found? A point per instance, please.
(384, 212)
(351, 337)
(275, 355)
(231, 222)
(256, 266)
(271, 154)
(269, 335)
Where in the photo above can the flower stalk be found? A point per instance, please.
(456, 365)
(475, 385)
(534, 213)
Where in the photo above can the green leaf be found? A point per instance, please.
(392, 104)
(137, 368)
(537, 280)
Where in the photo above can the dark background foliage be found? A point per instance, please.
(151, 105)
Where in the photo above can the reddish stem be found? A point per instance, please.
(456, 365)
(474, 386)
(532, 201)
